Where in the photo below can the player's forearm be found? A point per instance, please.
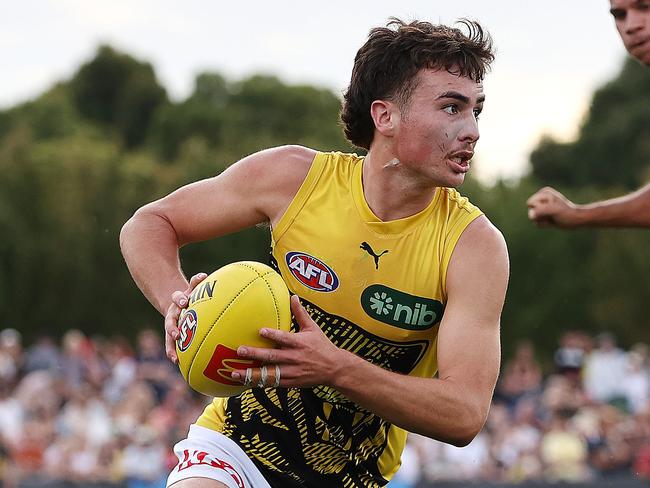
(436, 408)
(631, 210)
(150, 249)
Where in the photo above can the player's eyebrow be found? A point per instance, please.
(454, 95)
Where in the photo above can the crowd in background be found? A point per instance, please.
(586, 419)
(101, 411)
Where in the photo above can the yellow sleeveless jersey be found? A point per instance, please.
(375, 288)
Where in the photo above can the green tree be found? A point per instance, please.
(613, 146)
(71, 177)
(200, 116)
(120, 92)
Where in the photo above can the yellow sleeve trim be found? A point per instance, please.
(301, 197)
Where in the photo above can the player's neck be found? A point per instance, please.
(391, 190)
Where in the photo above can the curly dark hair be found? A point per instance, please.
(387, 65)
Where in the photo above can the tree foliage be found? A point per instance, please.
(81, 158)
(613, 146)
(120, 92)
(77, 162)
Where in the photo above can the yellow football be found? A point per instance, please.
(225, 311)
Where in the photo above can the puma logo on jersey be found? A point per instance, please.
(366, 247)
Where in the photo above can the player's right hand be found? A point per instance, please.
(549, 207)
(180, 299)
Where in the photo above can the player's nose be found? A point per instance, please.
(634, 21)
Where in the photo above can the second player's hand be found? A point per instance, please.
(306, 358)
(550, 207)
(180, 300)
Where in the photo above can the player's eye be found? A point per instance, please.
(618, 14)
(451, 109)
(477, 113)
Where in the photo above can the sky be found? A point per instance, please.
(551, 54)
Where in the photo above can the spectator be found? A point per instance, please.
(569, 357)
(144, 459)
(563, 451)
(11, 413)
(635, 384)
(10, 356)
(86, 416)
(521, 375)
(153, 366)
(520, 443)
(43, 355)
(122, 369)
(73, 358)
(614, 456)
(605, 367)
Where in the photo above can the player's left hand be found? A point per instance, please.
(303, 359)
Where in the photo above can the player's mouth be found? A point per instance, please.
(459, 161)
(639, 45)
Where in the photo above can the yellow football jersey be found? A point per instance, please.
(375, 288)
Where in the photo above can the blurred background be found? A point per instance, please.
(108, 105)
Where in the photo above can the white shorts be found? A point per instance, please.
(208, 454)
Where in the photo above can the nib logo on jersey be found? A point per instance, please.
(400, 309)
(312, 272)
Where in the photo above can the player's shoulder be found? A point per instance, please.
(481, 231)
(272, 177)
(289, 157)
(282, 166)
(480, 258)
(482, 234)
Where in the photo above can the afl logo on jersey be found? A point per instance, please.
(187, 328)
(312, 272)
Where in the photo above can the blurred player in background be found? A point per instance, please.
(550, 207)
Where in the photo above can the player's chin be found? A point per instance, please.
(641, 52)
(645, 58)
(454, 180)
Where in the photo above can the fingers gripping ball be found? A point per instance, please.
(225, 311)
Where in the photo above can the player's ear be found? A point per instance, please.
(385, 116)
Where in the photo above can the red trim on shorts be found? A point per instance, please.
(201, 457)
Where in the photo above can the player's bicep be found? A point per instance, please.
(211, 207)
(469, 347)
(247, 193)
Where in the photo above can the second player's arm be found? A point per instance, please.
(548, 206)
(632, 210)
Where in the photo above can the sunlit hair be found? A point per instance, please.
(387, 65)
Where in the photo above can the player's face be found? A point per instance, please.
(632, 19)
(438, 127)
